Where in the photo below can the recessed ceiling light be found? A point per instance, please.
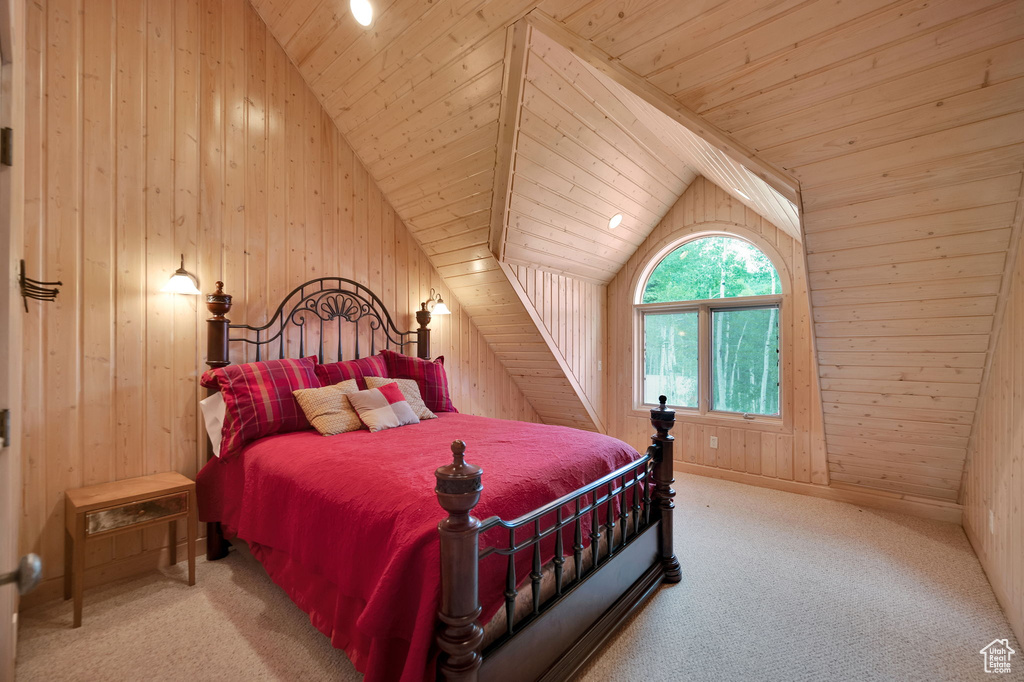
(615, 221)
(362, 10)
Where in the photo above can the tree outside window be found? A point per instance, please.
(709, 317)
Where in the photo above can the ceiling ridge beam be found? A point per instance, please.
(517, 43)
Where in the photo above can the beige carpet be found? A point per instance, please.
(776, 587)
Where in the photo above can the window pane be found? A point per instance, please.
(712, 267)
(745, 360)
(670, 358)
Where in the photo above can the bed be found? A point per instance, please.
(385, 549)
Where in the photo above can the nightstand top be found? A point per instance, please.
(127, 490)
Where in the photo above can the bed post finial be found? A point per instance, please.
(663, 419)
(219, 304)
(458, 491)
(423, 333)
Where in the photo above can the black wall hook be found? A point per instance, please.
(34, 288)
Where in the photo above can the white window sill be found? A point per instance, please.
(720, 419)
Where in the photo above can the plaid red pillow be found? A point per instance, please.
(429, 376)
(336, 372)
(259, 400)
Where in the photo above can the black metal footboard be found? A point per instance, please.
(627, 518)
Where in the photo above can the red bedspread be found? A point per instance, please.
(347, 524)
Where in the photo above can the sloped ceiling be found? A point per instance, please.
(575, 164)
(586, 148)
(712, 163)
(902, 121)
(417, 96)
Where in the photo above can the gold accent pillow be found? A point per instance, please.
(328, 408)
(410, 389)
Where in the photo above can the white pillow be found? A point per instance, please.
(213, 413)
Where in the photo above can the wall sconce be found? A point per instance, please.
(182, 281)
(435, 304)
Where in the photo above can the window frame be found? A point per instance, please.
(704, 308)
(777, 306)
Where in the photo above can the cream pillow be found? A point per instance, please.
(328, 408)
(410, 389)
(383, 408)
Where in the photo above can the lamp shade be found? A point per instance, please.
(182, 282)
(435, 304)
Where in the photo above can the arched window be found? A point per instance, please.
(708, 316)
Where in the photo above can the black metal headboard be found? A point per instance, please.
(316, 305)
(328, 300)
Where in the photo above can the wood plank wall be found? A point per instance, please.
(160, 128)
(417, 96)
(904, 122)
(574, 314)
(793, 450)
(994, 479)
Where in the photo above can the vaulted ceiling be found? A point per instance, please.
(417, 96)
(902, 121)
(584, 149)
(574, 165)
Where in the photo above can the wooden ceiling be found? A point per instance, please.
(576, 161)
(585, 148)
(712, 163)
(903, 122)
(417, 96)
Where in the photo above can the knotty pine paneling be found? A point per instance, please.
(574, 314)
(155, 129)
(994, 479)
(902, 122)
(579, 158)
(791, 450)
(418, 96)
(900, 119)
(585, 148)
(711, 162)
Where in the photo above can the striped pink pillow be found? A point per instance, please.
(259, 400)
(336, 372)
(429, 375)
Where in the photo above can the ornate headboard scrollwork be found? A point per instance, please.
(315, 306)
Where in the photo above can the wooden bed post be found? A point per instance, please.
(663, 419)
(423, 334)
(217, 355)
(458, 491)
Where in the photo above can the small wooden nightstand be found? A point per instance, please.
(99, 511)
